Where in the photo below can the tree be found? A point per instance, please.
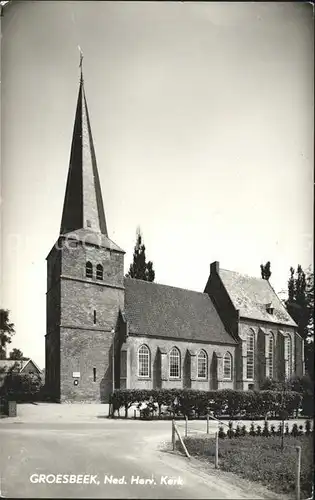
(265, 271)
(16, 354)
(6, 331)
(300, 306)
(300, 303)
(140, 269)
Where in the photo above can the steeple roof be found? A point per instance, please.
(83, 210)
(83, 205)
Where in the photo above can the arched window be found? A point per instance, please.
(227, 366)
(270, 353)
(174, 363)
(89, 270)
(288, 356)
(99, 272)
(144, 361)
(202, 364)
(250, 352)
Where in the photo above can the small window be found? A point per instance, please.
(144, 361)
(94, 374)
(174, 363)
(202, 364)
(227, 366)
(89, 270)
(94, 317)
(99, 272)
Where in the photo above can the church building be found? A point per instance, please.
(106, 331)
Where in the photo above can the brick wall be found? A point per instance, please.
(84, 351)
(221, 300)
(160, 378)
(261, 329)
(81, 314)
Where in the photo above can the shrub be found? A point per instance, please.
(295, 430)
(308, 427)
(252, 430)
(272, 430)
(265, 431)
(21, 387)
(279, 430)
(238, 431)
(271, 385)
(221, 434)
(258, 431)
(286, 429)
(188, 402)
(243, 430)
(230, 431)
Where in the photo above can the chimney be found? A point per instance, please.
(215, 268)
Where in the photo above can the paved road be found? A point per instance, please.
(123, 450)
(53, 439)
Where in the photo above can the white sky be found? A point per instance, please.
(202, 118)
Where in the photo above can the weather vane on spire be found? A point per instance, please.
(81, 61)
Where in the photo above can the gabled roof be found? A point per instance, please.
(252, 295)
(7, 364)
(157, 310)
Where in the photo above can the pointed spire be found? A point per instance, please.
(83, 205)
(81, 64)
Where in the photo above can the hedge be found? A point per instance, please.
(221, 402)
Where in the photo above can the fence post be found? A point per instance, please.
(173, 434)
(135, 414)
(186, 426)
(298, 473)
(216, 457)
(207, 423)
(181, 442)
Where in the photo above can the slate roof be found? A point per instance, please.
(83, 204)
(251, 295)
(160, 310)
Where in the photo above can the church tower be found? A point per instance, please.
(85, 281)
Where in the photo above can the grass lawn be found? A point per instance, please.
(261, 459)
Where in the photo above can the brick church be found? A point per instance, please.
(105, 331)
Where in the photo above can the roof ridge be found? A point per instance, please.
(168, 286)
(243, 274)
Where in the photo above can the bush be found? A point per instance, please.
(265, 431)
(243, 430)
(295, 430)
(238, 431)
(230, 432)
(20, 387)
(308, 427)
(252, 430)
(188, 402)
(221, 434)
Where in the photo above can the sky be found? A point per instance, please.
(202, 119)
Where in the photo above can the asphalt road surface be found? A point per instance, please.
(115, 459)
